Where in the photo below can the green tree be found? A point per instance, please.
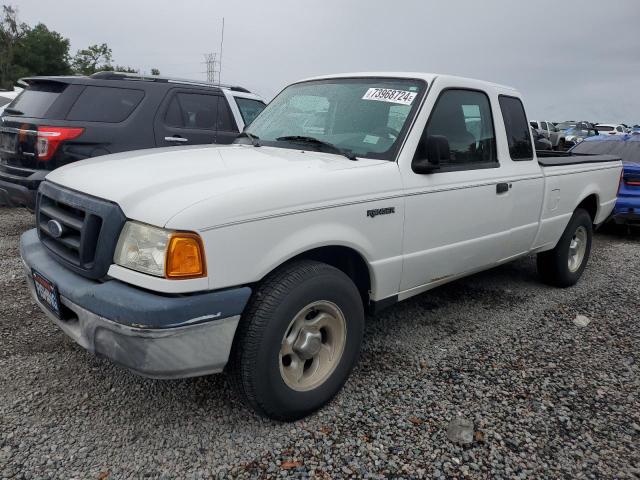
(92, 59)
(11, 32)
(26, 51)
(120, 68)
(117, 68)
(42, 52)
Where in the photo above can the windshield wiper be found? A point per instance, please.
(315, 141)
(255, 140)
(13, 111)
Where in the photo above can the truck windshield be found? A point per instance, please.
(365, 117)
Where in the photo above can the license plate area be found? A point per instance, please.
(8, 142)
(47, 293)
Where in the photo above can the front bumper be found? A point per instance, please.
(18, 186)
(153, 335)
(14, 195)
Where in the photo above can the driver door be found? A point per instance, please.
(456, 217)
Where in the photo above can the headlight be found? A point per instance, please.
(579, 139)
(160, 252)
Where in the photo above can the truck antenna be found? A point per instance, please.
(220, 61)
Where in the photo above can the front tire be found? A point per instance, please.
(563, 266)
(298, 340)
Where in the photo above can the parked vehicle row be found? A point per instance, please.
(347, 193)
(540, 141)
(549, 131)
(611, 129)
(565, 135)
(60, 120)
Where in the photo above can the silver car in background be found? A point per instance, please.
(550, 132)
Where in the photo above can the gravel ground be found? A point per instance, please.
(547, 396)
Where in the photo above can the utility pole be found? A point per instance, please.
(211, 61)
(221, 45)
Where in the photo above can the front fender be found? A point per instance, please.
(245, 253)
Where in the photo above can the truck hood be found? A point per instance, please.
(232, 182)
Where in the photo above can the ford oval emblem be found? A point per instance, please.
(55, 228)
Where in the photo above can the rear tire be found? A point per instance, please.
(298, 340)
(563, 266)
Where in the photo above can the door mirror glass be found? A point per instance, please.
(431, 152)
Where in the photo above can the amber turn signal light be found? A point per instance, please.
(185, 256)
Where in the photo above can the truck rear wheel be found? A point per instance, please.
(298, 340)
(563, 266)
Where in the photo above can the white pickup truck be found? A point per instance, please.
(347, 193)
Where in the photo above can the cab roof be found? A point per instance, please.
(428, 77)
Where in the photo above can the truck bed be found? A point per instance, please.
(549, 158)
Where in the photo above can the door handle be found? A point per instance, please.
(176, 139)
(503, 187)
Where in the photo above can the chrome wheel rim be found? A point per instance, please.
(312, 345)
(577, 248)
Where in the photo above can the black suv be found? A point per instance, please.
(59, 120)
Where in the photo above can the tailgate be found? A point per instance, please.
(41, 102)
(18, 144)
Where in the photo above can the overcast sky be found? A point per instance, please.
(577, 60)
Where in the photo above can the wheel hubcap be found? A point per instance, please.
(577, 249)
(312, 346)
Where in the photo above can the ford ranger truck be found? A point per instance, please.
(346, 194)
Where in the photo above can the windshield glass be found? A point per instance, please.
(628, 150)
(565, 125)
(366, 117)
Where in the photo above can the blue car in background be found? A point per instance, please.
(627, 209)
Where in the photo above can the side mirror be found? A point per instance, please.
(431, 151)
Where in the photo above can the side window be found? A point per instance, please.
(534, 125)
(464, 118)
(515, 123)
(105, 104)
(544, 125)
(249, 108)
(173, 116)
(199, 111)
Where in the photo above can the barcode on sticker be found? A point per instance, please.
(390, 95)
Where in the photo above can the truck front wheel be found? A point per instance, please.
(298, 340)
(563, 266)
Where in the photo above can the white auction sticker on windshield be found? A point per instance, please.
(390, 95)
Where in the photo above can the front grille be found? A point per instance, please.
(77, 240)
(79, 230)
